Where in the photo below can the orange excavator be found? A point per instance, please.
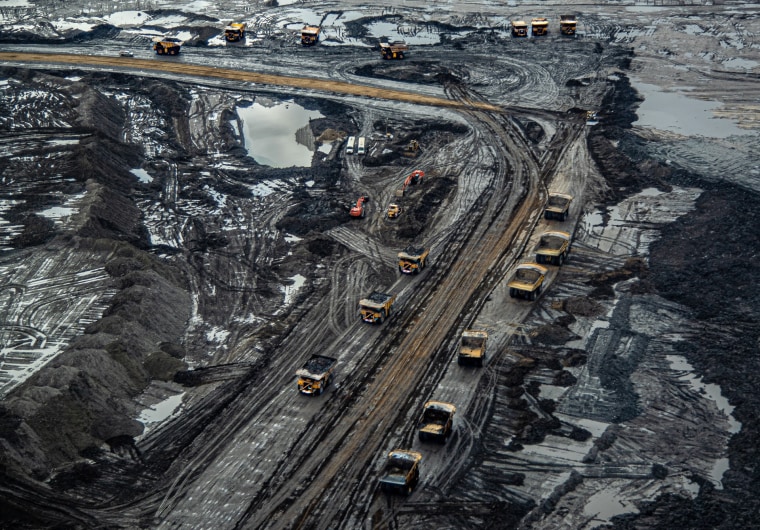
(415, 177)
(358, 209)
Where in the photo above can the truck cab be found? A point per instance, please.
(437, 421)
(402, 472)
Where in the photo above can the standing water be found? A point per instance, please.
(276, 133)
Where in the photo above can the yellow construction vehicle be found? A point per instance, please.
(539, 26)
(310, 35)
(553, 247)
(402, 472)
(412, 259)
(315, 375)
(376, 307)
(519, 28)
(393, 50)
(472, 347)
(558, 206)
(567, 24)
(235, 31)
(166, 45)
(527, 281)
(394, 210)
(437, 421)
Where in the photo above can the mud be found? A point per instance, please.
(182, 267)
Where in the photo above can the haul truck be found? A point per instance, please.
(558, 206)
(235, 31)
(376, 307)
(393, 50)
(527, 281)
(519, 28)
(402, 472)
(310, 35)
(553, 247)
(437, 421)
(567, 24)
(472, 347)
(166, 45)
(412, 259)
(539, 26)
(315, 375)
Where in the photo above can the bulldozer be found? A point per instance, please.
(412, 149)
(310, 35)
(167, 45)
(235, 31)
(415, 177)
(393, 50)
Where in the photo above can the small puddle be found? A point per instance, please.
(604, 505)
(159, 412)
(276, 133)
(710, 391)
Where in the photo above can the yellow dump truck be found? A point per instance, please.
(519, 28)
(539, 26)
(553, 247)
(310, 35)
(567, 24)
(166, 45)
(472, 347)
(437, 421)
(235, 31)
(558, 206)
(376, 307)
(527, 281)
(315, 375)
(393, 50)
(412, 259)
(402, 472)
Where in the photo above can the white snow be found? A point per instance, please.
(142, 175)
(160, 412)
(291, 290)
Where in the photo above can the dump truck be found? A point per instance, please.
(415, 177)
(358, 210)
(539, 26)
(235, 31)
(412, 259)
(527, 281)
(436, 422)
(394, 210)
(376, 307)
(166, 45)
(558, 206)
(553, 247)
(567, 24)
(519, 28)
(402, 472)
(393, 50)
(315, 375)
(310, 35)
(472, 347)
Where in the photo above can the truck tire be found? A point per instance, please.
(561, 259)
(512, 292)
